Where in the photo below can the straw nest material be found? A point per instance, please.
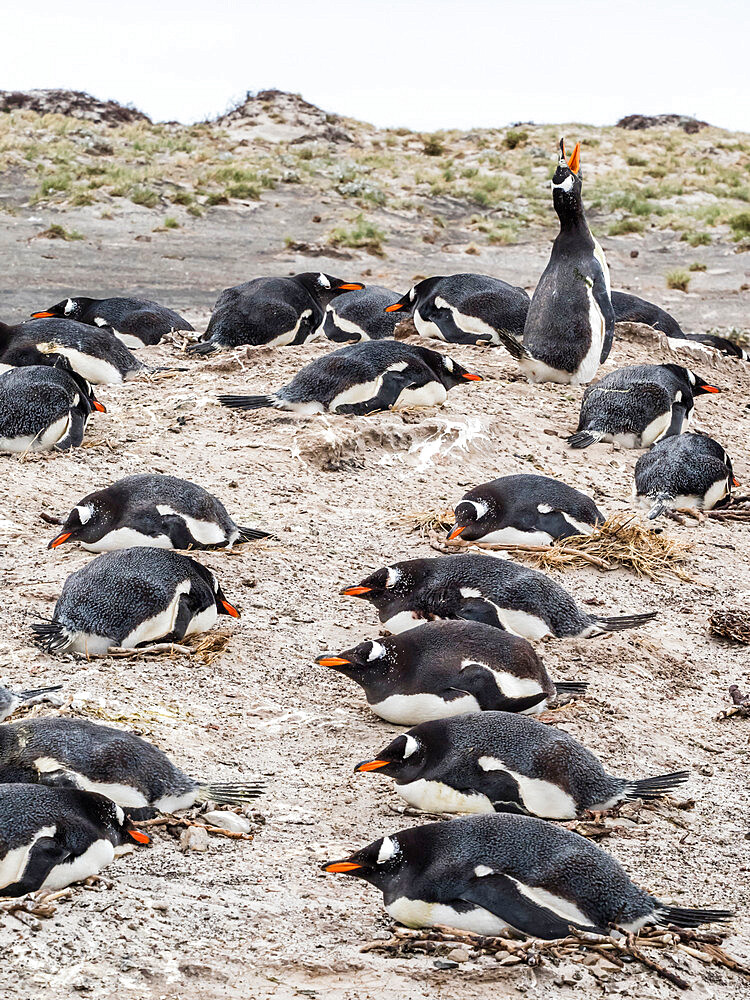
(623, 541)
(732, 624)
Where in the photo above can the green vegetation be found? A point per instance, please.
(171, 223)
(516, 137)
(697, 266)
(57, 232)
(144, 196)
(740, 225)
(626, 225)
(362, 235)
(679, 280)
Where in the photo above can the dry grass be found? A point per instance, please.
(732, 624)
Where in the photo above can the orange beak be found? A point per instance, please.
(735, 481)
(230, 610)
(472, 378)
(371, 765)
(100, 407)
(139, 836)
(394, 308)
(341, 866)
(575, 161)
(456, 531)
(332, 661)
(355, 591)
(43, 315)
(710, 388)
(60, 539)
(351, 286)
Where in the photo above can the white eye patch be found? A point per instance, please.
(411, 747)
(85, 512)
(387, 850)
(412, 294)
(565, 185)
(448, 364)
(394, 575)
(482, 870)
(69, 307)
(480, 507)
(323, 281)
(377, 652)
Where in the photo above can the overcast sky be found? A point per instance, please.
(426, 65)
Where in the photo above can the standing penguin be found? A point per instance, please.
(364, 378)
(130, 598)
(499, 762)
(52, 837)
(524, 510)
(271, 312)
(44, 409)
(360, 315)
(691, 470)
(481, 588)
(150, 509)
(78, 753)
(486, 874)
(94, 352)
(12, 700)
(136, 322)
(638, 405)
(465, 308)
(448, 668)
(570, 324)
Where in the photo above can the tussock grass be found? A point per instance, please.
(363, 235)
(679, 280)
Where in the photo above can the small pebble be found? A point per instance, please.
(194, 838)
(458, 955)
(227, 821)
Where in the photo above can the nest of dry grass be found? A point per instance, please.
(622, 542)
(732, 624)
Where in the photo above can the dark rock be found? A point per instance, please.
(73, 103)
(685, 122)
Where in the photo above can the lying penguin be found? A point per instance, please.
(44, 409)
(94, 353)
(10, 701)
(691, 471)
(489, 874)
(465, 308)
(570, 323)
(360, 315)
(481, 588)
(524, 510)
(77, 753)
(638, 405)
(271, 312)
(130, 598)
(52, 837)
(364, 378)
(498, 762)
(631, 309)
(150, 509)
(136, 322)
(448, 668)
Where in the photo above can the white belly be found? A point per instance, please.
(125, 538)
(94, 370)
(416, 913)
(411, 709)
(513, 536)
(402, 622)
(124, 795)
(435, 797)
(432, 394)
(426, 327)
(13, 865)
(91, 862)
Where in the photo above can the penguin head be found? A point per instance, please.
(110, 817)
(450, 372)
(67, 309)
(223, 606)
(407, 303)
(90, 402)
(87, 522)
(362, 663)
(404, 758)
(324, 287)
(566, 184)
(389, 585)
(698, 385)
(380, 863)
(474, 517)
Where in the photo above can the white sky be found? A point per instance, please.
(426, 65)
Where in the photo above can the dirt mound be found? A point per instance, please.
(685, 122)
(74, 103)
(276, 111)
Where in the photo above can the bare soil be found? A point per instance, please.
(259, 919)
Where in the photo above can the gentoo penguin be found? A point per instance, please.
(130, 598)
(486, 874)
(631, 309)
(150, 509)
(360, 315)
(136, 322)
(499, 762)
(364, 378)
(52, 837)
(570, 323)
(12, 700)
(272, 312)
(77, 753)
(448, 668)
(691, 470)
(465, 308)
(638, 405)
(44, 409)
(524, 510)
(94, 352)
(481, 588)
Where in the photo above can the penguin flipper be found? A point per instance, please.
(391, 387)
(60, 778)
(679, 416)
(475, 609)
(45, 855)
(479, 682)
(501, 895)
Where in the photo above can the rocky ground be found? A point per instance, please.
(258, 918)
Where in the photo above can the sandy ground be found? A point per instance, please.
(259, 919)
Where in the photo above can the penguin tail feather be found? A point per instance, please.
(249, 534)
(38, 692)
(202, 347)
(512, 345)
(656, 787)
(681, 916)
(51, 636)
(571, 687)
(584, 438)
(662, 502)
(247, 402)
(618, 623)
(230, 793)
